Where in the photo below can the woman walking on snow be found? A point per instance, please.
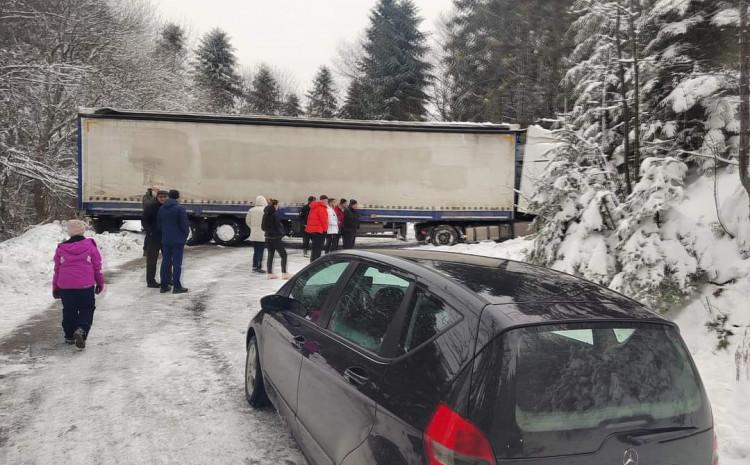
(274, 233)
(77, 278)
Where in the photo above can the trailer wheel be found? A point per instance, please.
(199, 232)
(110, 225)
(227, 232)
(444, 235)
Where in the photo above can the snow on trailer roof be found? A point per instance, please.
(427, 126)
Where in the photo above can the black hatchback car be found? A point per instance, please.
(432, 358)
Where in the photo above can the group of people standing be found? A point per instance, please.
(266, 230)
(327, 221)
(324, 221)
(167, 228)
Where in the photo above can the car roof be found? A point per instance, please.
(539, 294)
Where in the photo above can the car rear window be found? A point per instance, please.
(564, 389)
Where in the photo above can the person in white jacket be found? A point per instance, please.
(332, 236)
(254, 221)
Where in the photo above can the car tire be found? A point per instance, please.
(444, 235)
(227, 232)
(255, 389)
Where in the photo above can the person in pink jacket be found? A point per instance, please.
(78, 277)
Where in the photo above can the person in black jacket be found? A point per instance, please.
(303, 214)
(145, 200)
(274, 233)
(152, 241)
(351, 224)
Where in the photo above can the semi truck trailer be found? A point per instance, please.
(452, 181)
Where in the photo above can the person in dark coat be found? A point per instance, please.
(303, 214)
(147, 197)
(274, 238)
(351, 224)
(175, 227)
(149, 222)
(317, 226)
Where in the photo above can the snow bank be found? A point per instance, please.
(718, 368)
(514, 249)
(26, 268)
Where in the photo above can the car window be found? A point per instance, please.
(367, 305)
(564, 389)
(428, 316)
(313, 287)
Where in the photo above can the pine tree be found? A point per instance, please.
(505, 59)
(214, 70)
(265, 95)
(172, 39)
(356, 104)
(321, 99)
(291, 106)
(394, 67)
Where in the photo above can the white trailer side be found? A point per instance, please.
(232, 163)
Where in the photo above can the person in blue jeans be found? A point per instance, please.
(174, 225)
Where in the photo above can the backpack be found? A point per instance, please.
(267, 221)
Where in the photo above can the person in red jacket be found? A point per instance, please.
(317, 226)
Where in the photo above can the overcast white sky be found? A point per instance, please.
(296, 36)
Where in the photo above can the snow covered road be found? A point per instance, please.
(161, 379)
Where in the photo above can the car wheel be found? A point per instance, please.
(444, 235)
(255, 390)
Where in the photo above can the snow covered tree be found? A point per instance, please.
(214, 71)
(690, 80)
(291, 106)
(657, 268)
(394, 66)
(576, 206)
(321, 99)
(265, 94)
(172, 40)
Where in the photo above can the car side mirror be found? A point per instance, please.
(279, 303)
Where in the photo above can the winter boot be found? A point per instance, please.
(69, 340)
(179, 290)
(80, 338)
(164, 290)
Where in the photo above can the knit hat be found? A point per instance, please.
(76, 227)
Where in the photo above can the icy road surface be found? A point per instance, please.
(160, 381)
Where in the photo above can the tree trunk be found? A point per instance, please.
(744, 148)
(625, 109)
(634, 33)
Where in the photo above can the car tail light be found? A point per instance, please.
(715, 451)
(451, 439)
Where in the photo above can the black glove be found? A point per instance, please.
(98, 289)
(55, 293)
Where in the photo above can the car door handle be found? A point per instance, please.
(299, 342)
(356, 375)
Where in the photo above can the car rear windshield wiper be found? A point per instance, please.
(654, 431)
(642, 434)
